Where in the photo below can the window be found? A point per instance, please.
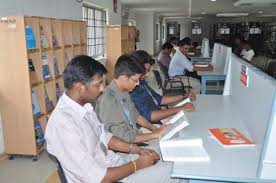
(96, 23)
(157, 32)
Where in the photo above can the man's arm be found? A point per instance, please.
(162, 114)
(209, 68)
(145, 123)
(150, 136)
(173, 99)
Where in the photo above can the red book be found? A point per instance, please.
(230, 137)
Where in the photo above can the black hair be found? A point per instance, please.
(82, 69)
(167, 45)
(187, 39)
(172, 39)
(128, 65)
(184, 42)
(195, 44)
(143, 57)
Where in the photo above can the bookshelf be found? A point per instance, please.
(120, 40)
(35, 69)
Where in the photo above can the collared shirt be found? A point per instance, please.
(145, 99)
(179, 63)
(117, 111)
(247, 55)
(164, 59)
(76, 137)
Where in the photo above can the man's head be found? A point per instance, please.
(173, 40)
(184, 46)
(187, 39)
(167, 48)
(127, 72)
(83, 78)
(144, 58)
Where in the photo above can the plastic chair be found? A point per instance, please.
(176, 88)
(170, 80)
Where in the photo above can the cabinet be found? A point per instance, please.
(120, 39)
(31, 76)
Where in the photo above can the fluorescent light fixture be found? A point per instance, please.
(213, 0)
(260, 12)
(203, 13)
(231, 14)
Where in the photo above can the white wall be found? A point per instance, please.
(145, 24)
(112, 18)
(67, 9)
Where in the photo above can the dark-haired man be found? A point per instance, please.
(164, 56)
(180, 63)
(79, 141)
(148, 102)
(116, 109)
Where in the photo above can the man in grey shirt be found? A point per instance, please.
(116, 109)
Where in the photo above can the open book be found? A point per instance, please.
(187, 100)
(230, 137)
(181, 149)
(202, 65)
(185, 150)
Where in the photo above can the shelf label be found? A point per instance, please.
(244, 78)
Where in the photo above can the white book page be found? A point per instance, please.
(187, 100)
(201, 65)
(174, 118)
(181, 123)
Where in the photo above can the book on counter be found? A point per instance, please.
(230, 137)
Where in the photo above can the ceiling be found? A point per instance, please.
(194, 8)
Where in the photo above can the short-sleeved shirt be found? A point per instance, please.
(164, 59)
(145, 99)
(178, 64)
(117, 111)
(76, 137)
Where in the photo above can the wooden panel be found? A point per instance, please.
(15, 95)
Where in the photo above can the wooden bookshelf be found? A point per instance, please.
(123, 37)
(18, 82)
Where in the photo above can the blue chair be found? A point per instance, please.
(61, 174)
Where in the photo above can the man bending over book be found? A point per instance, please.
(79, 141)
(116, 109)
(148, 102)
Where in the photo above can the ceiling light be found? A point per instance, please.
(231, 14)
(213, 0)
(260, 12)
(203, 13)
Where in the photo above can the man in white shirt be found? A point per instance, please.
(247, 52)
(180, 62)
(79, 141)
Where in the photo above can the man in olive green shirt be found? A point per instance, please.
(116, 109)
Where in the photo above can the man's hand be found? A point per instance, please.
(190, 95)
(160, 130)
(188, 107)
(210, 67)
(145, 160)
(151, 153)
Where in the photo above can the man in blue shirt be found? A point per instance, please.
(148, 102)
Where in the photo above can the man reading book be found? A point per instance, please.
(116, 109)
(148, 102)
(79, 141)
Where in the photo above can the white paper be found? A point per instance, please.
(251, 31)
(175, 117)
(198, 31)
(194, 31)
(171, 30)
(187, 100)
